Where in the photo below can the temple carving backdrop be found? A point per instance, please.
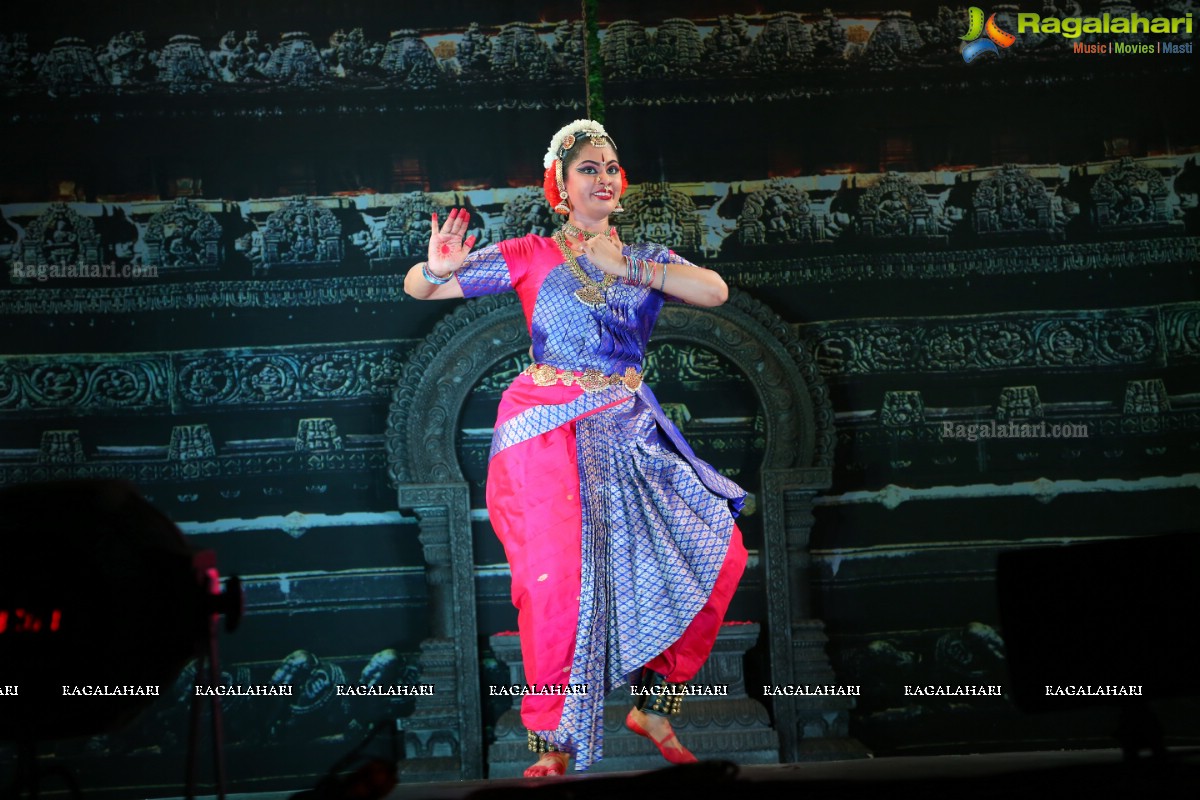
(206, 214)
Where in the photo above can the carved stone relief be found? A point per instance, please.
(657, 213)
(183, 237)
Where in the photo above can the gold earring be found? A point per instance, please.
(564, 205)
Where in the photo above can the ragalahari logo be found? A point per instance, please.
(973, 47)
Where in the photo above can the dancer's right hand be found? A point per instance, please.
(446, 246)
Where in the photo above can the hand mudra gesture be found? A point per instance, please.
(446, 246)
(605, 252)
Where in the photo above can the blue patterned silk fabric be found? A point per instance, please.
(656, 519)
(484, 272)
(654, 538)
(569, 335)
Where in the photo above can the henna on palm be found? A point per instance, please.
(446, 246)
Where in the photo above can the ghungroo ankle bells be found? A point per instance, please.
(539, 745)
(656, 696)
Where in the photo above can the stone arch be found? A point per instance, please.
(466, 344)
(423, 465)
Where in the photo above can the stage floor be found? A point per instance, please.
(1065, 774)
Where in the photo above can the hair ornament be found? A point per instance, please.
(569, 134)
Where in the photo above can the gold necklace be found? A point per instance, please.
(591, 293)
(575, 230)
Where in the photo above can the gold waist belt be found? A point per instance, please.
(591, 380)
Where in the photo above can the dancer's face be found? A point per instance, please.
(593, 182)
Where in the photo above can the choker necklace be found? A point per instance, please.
(592, 292)
(575, 230)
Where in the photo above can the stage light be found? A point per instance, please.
(102, 604)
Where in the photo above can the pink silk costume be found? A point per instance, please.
(621, 542)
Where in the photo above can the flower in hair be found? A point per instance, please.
(559, 141)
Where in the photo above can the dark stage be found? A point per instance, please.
(956, 372)
(1063, 773)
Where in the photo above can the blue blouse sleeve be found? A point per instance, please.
(484, 272)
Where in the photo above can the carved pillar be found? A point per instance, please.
(811, 727)
(443, 736)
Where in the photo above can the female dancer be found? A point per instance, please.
(621, 542)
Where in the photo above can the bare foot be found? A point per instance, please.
(658, 729)
(552, 763)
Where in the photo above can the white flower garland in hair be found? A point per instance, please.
(556, 142)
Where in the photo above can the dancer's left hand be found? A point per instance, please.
(605, 253)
